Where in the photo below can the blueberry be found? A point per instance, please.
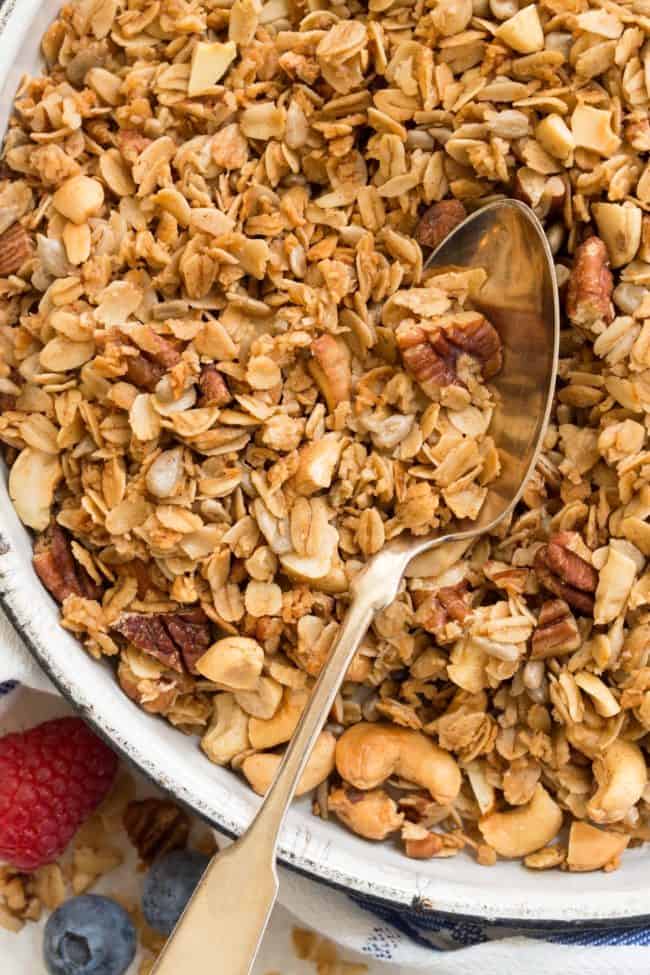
(89, 935)
(169, 885)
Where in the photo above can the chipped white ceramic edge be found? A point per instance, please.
(505, 894)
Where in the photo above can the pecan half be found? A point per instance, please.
(330, 367)
(158, 348)
(191, 633)
(147, 632)
(569, 566)
(55, 566)
(7, 402)
(478, 337)
(556, 632)
(435, 610)
(15, 249)
(455, 600)
(431, 357)
(566, 574)
(430, 366)
(431, 615)
(144, 373)
(176, 639)
(589, 293)
(438, 221)
(213, 390)
(156, 827)
(142, 573)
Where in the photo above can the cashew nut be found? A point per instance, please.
(316, 464)
(227, 735)
(236, 662)
(525, 829)
(260, 769)
(368, 754)
(621, 775)
(267, 733)
(372, 815)
(264, 701)
(591, 848)
(604, 702)
(619, 225)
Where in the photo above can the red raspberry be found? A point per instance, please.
(51, 779)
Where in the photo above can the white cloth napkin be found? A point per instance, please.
(16, 663)
(372, 939)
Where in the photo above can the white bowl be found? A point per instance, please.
(507, 893)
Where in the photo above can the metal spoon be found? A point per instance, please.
(222, 926)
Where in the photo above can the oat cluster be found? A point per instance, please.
(226, 381)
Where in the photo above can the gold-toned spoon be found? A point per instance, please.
(222, 926)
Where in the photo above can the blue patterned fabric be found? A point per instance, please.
(442, 933)
(6, 687)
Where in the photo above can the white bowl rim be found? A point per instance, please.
(317, 850)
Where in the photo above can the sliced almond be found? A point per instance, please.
(209, 64)
(317, 463)
(556, 137)
(32, 481)
(105, 84)
(143, 418)
(79, 198)
(592, 129)
(244, 16)
(76, 240)
(116, 173)
(523, 32)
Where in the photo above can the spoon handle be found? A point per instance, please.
(222, 926)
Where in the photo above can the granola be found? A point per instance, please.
(226, 381)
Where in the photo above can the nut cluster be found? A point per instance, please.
(226, 381)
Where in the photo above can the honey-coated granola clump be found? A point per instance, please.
(226, 381)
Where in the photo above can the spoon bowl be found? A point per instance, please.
(520, 299)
